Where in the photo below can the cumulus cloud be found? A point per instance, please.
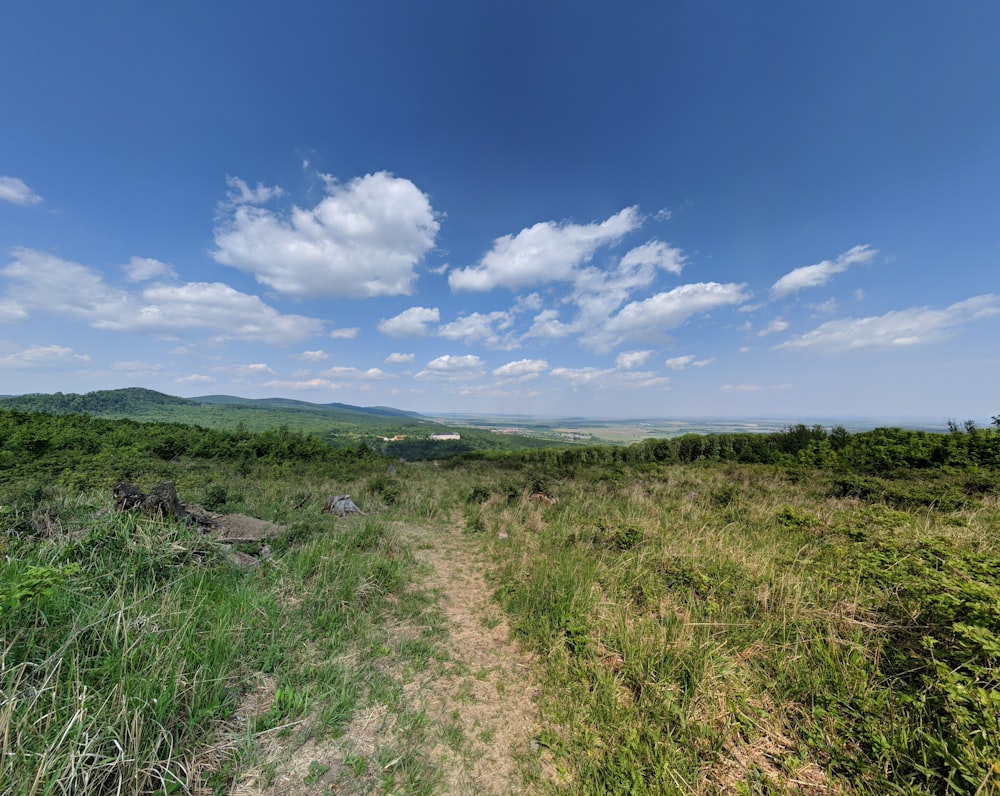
(896, 329)
(545, 252)
(547, 325)
(398, 359)
(627, 360)
(363, 239)
(656, 254)
(211, 306)
(42, 355)
(410, 323)
(14, 190)
(649, 318)
(777, 325)
(820, 273)
(521, 370)
(47, 283)
(482, 328)
(347, 333)
(453, 368)
(141, 269)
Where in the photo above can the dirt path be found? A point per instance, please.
(483, 697)
(466, 719)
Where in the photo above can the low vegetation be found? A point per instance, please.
(810, 611)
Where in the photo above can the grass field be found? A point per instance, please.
(699, 628)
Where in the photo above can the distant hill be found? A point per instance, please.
(340, 425)
(102, 402)
(291, 403)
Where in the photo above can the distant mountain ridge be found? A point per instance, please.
(139, 401)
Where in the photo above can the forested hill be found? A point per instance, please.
(339, 425)
(126, 402)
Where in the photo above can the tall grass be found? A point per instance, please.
(128, 642)
(724, 628)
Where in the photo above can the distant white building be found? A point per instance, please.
(445, 436)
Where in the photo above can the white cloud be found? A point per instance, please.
(13, 190)
(820, 273)
(777, 325)
(347, 333)
(545, 252)
(682, 362)
(141, 269)
(627, 360)
(410, 323)
(521, 370)
(603, 378)
(548, 325)
(478, 327)
(650, 317)
(256, 369)
(398, 359)
(211, 305)
(312, 356)
(195, 378)
(355, 373)
(309, 384)
(453, 368)
(41, 355)
(362, 239)
(11, 311)
(47, 283)
(240, 193)
(656, 254)
(899, 328)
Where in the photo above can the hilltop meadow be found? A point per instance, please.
(806, 610)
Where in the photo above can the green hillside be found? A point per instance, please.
(339, 425)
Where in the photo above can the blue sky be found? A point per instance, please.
(636, 209)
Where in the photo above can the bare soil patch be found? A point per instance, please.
(476, 695)
(482, 701)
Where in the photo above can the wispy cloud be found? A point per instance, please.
(142, 269)
(14, 190)
(45, 283)
(900, 328)
(41, 355)
(820, 273)
(687, 360)
(777, 325)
